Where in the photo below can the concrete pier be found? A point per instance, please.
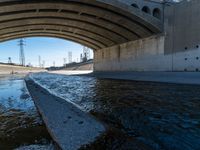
(70, 127)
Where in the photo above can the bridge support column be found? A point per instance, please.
(149, 54)
(141, 55)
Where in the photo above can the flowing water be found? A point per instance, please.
(20, 123)
(138, 115)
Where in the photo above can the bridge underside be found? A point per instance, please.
(96, 24)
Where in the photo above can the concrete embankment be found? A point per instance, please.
(70, 127)
(165, 77)
(81, 67)
(10, 69)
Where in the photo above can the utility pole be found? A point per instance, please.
(21, 53)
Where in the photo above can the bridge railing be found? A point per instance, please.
(152, 7)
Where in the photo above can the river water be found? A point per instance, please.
(138, 115)
(20, 124)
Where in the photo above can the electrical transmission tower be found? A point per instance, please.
(70, 57)
(21, 53)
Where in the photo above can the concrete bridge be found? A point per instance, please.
(96, 24)
(131, 35)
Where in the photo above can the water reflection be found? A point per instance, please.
(139, 115)
(20, 124)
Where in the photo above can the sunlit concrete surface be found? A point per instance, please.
(166, 77)
(67, 72)
(70, 127)
(10, 69)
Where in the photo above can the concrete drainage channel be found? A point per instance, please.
(69, 127)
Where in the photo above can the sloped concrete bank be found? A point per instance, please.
(162, 77)
(11, 69)
(70, 127)
(81, 66)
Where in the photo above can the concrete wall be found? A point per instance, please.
(178, 49)
(88, 66)
(182, 26)
(141, 55)
(8, 69)
(186, 60)
(145, 55)
(182, 34)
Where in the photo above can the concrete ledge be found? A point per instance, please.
(167, 77)
(70, 127)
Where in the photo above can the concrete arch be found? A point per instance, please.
(157, 13)
(62, 28)
(97, 44)
(55, 21)
(135, 5)
(49, 34)
(146, 9)
(101, 23)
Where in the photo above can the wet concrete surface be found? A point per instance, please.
(68, 125)
(138, 115)
(20, 123)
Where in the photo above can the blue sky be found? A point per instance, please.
(50, 49)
